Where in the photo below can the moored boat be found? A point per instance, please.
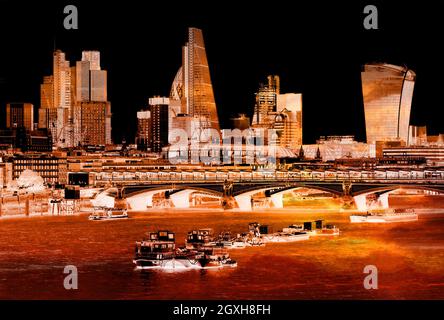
(214, 257)
(159, 252)
(106, 213)
(386, 216)
(317, 228)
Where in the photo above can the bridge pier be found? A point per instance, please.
(244, 202)
(181, 199)
(278, 200)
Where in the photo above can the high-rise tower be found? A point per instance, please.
(192, 91)
(387, 91)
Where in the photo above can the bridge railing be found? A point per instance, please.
(268, 179)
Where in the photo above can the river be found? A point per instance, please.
(35, 250)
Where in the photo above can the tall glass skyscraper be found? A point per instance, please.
(192, 84)
(387, 91)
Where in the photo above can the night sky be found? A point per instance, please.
(316, 48)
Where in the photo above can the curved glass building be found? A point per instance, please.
(387, 91)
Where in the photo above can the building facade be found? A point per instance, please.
(143, 134)
(53, 169)
(192, 90)
(20, 115)
(92, 123)
(387, 92)
(279, 112)
(159, 123)
(70, 92)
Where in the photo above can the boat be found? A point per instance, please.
(285, 237)
(253, 237)
(386, 216)
(314, 228)
(265, 234)
(159, 252)
(214, 257)
(106, 213)
(199, 238)
(226, 240)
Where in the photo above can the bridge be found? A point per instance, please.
(242, 192)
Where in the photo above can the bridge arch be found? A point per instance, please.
(243, 198)
(383, 193)
(143, 199)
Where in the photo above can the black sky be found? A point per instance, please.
(317, 49)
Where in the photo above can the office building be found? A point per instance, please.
(279, 112)
(159, 123)
(192, 90)
(143, 135)
(69, 94)
(20, 115)
(92, 123)
(387, 91)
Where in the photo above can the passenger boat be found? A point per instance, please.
(285, 237)
(159, 252)
(265, 233)
(314, 228)
(226, 240)
(386, 216)
(214, 257)
(106, 213)
(199, 238)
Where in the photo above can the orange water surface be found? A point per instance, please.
(35, 250)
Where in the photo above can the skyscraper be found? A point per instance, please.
(20, 115)
(91, 80)
(266, 101)
(152, 125)
(92, 123)
(159, 123)
(73, 102)
(387, 91)
(280, 112)
(62, 80)
(143, 135)
(192, 91)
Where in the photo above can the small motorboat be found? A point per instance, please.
(106, 213)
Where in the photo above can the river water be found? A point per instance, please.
(35, 250)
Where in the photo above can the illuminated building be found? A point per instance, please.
(434, 155)
(68, 94)
(387, 91)
(143, 130)
(266, 102)
(279, 112)
(290, 105)
(336, 147)
(159, 123)
(92, 111)
(92, 123)
(56, 101)
(192, 91)
(20, 115)
(417, 136)
(91, 81)
(51, 168)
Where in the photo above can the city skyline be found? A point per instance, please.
(195, 150)
(235, 78)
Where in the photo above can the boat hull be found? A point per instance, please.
(384, 218)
